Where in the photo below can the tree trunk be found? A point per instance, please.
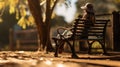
(42, 27)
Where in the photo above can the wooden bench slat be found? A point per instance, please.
(28, 41)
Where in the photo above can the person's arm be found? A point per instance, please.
(84, 16)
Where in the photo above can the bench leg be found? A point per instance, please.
(61, 46)
(56, 48)
(74, 55)
(90, 46)
(103, 46)
(58, 43)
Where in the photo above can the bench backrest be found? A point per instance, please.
(94, 32)
(26, 36)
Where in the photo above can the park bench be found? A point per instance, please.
(24, 39)
(96, 32)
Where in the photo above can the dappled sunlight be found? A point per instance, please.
(41, 58)
(54, 63)
(60, 65)
(20, 51)
(48, 62)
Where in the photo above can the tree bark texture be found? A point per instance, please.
(43, 27)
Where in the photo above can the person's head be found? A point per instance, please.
(88, 7)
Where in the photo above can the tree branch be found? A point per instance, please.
(35, 8)
(48, 11)
(55, 3)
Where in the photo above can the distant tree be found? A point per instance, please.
(8, 21)
(117, 2)
(58, 21)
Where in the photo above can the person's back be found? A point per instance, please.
(88, 14)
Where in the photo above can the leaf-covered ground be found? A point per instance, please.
(41, 59)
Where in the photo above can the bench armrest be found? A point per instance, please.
(66, 33)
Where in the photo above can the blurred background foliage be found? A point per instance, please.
(16, 13)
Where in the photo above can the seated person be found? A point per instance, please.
(89, 16)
